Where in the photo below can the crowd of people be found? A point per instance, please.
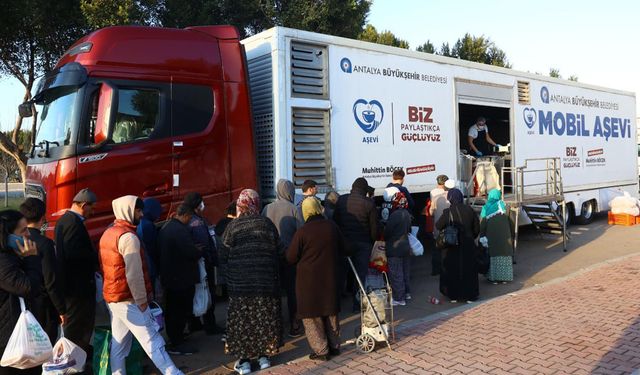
(254, 251)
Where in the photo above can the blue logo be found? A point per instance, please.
(368, 115)
(530, 117)
(544, 94)
(345, 65)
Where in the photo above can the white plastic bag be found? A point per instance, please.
(158, 315)
(202, 297)
(416, 247)
(29, 345)
(68, 358)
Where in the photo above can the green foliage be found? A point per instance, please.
(102, 13)
(573, 78)
(370, 34)
(445, 50)
(479, 49)
(426, 47)
(555, 73)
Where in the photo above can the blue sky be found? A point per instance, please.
(596, 41)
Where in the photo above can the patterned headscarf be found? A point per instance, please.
(311, 207)
(248, 203)
(399, 201)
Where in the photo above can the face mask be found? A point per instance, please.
(12, 241)
(201, 206)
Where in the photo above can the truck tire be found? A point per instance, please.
(571, 217)
(587, 212)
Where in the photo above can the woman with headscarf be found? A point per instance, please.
(495, 232)
(20, 276)
(316, 251)
(459, 277)
(396, 237)
(250, 251)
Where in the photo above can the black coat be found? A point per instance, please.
(18, 278)
(356, 217)
(396, 234)
(49, 304)
(77, 258)
(316, 250)
(178, 256)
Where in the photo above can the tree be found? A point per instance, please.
(478, 49)
(33, 35)
(573, 78)
(103, 13)
(555, 73)
(370, 34)
(335, 17)
(426, 47)
(445, 50)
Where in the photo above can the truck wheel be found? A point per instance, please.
(570, 219)
(587, 212)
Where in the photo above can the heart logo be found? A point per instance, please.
(368, 114)
(529, 115)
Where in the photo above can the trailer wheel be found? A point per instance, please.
(570, 219)
(365, 343)
(587, 212)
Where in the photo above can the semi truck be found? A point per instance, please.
(162, 112)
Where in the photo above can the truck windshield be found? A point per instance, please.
(57, 115)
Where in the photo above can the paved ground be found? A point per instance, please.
(588, 323)
(540, 260)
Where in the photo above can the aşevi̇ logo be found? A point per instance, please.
(368, 114)
(345, 65)
(530, 117)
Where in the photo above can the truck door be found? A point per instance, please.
(137, 157)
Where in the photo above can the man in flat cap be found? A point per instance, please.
(78, 263)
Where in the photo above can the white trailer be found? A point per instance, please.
(334, 109)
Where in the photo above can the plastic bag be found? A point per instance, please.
(101, 354)
(378, 303)
(29, 345)
(158, 315)
(68, 358)
(416, 246)
(378, 258)
(202, 296)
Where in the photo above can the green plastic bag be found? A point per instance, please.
(102, 346)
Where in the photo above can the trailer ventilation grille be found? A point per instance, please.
(261, 87)
(523, 93)
(309, 71)
(311, 147)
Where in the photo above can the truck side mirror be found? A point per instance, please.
(106, 99)
(26, 109)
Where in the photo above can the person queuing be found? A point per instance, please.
(356, 216)
(315, 251)
(203, 241)
(398, 182)
(49, 307)
(127, 286)
(179, 274)
(287, 219)
(495, 227)
(78, 263)
(329, 203)
(251, 251)
(459, 277)
(396, 236)
(148, 235)
(20, 276)
(439, 202)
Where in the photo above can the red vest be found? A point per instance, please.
(115, 288)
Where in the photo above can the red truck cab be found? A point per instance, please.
(152, 112)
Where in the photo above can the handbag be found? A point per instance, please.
(449, 235)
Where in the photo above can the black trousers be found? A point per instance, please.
(81, 317)
(209, 317)
(179, 307)
(288, 277)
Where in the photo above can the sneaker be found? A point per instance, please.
(397, 303)
(264, 363)
(181, 350)
(242, 368)
(407, 296)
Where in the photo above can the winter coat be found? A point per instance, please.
(497, 229)
(18, 278)
(316, 251)
(356, 217)
(77, 258)
(178, 256)
(251, 254)
(148, 234)
(396, 234)
(202, 239)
